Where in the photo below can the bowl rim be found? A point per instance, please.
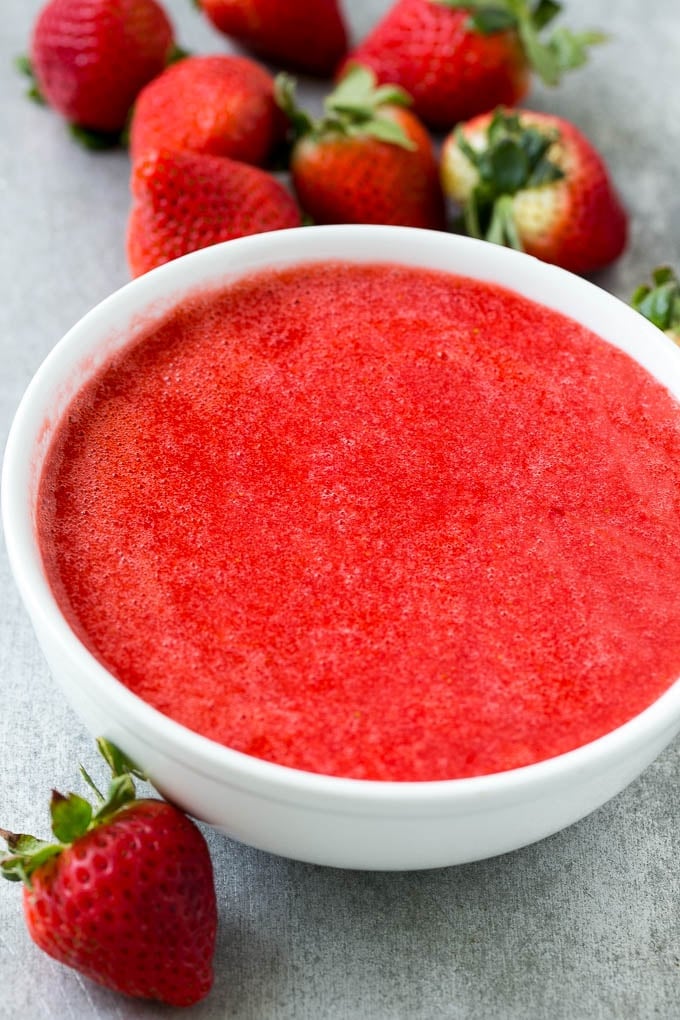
(203, 755)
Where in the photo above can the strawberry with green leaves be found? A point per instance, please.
(534, 182)
(91, 58)
(459, 58)
(220, 105)
(367, 160)
(660, 301)
(183, 201)
(124, 892)
(301, 35)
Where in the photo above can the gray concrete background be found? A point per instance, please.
(583, 926)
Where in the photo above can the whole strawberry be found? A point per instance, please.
(303, 35)
(533, 181)
(660, 301)
(221, 105)
(125, 895)
(183, 201)
(458, 59)
(90, 58)
(368, 160)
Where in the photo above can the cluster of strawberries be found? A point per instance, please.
(206, 131)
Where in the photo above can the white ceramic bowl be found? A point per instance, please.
(326, 820)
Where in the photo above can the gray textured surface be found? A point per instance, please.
(583, 925)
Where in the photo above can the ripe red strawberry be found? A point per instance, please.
(184, 201)
(221, 105)
(458, 58)
(534, 182)
(125, 895)
(304, 35)
(91, 57)
(368, 160)
(660, 302)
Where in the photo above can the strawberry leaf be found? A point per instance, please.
(502, 229)
(25, 864)
(507, 166)
(486, 16)
(544, 173)
(539, 55)
(176, 54)
(119, 763)
(660, 303)
(13, 870)
(535, 143)
(488, 21)
(354, 108)
(91, 783)
(21, 843)
(285, 88)
(513, 156)
(471, 216)
(656, 306)
(95, 141)
(663, 274)
(353, 90)
(571, 49)
(12, 874)
(358, 95)
(550, 57)
(71, 816)
(121, 792)
(26, 854)
(563, 51)
(468, 150)
(385, 131)
(393, 95)
(121, 788)
(544, 12)
(25, 67)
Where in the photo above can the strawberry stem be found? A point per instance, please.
(514, 156)
(72, 816)
(352, 109)
(550, 57)
(502, 229)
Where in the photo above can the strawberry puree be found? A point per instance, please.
(374, 522)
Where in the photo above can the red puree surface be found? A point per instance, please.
(374, 522)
